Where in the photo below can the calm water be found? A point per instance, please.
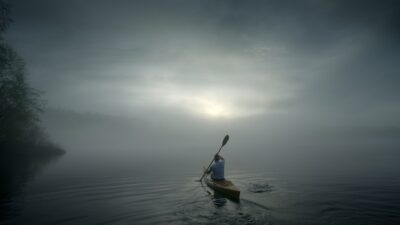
(75, 190)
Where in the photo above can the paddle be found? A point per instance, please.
(226, 138)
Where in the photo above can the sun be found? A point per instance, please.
(213, 109)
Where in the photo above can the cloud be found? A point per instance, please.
(233, 59)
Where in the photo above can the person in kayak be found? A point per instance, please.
(217, 168)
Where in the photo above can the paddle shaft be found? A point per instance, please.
(211, 163)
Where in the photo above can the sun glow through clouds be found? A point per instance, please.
(212, 109)
(208, 102)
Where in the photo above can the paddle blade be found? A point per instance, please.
(226, 138)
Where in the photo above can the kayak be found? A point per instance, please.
(224, 186)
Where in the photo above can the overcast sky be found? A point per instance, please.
(250, 66)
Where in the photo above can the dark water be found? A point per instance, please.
(75, 190)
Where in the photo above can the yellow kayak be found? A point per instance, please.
(224, 186)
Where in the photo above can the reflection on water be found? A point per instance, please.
(154, 198)
(219, 199)
(212, 207)
(15, 173)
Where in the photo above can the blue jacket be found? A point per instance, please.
(217, 170)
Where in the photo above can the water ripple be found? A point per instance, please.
(173, 200)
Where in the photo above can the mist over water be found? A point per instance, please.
(280, 143)
(122, 175)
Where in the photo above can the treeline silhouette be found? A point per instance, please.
(20, 104)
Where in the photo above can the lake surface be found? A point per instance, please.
(77, 189)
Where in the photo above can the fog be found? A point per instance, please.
(308, 85)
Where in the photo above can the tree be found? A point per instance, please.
(20, 104)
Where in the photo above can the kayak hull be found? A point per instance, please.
(225, 187)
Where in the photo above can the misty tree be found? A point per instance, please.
(20, 104)
(5, 19)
